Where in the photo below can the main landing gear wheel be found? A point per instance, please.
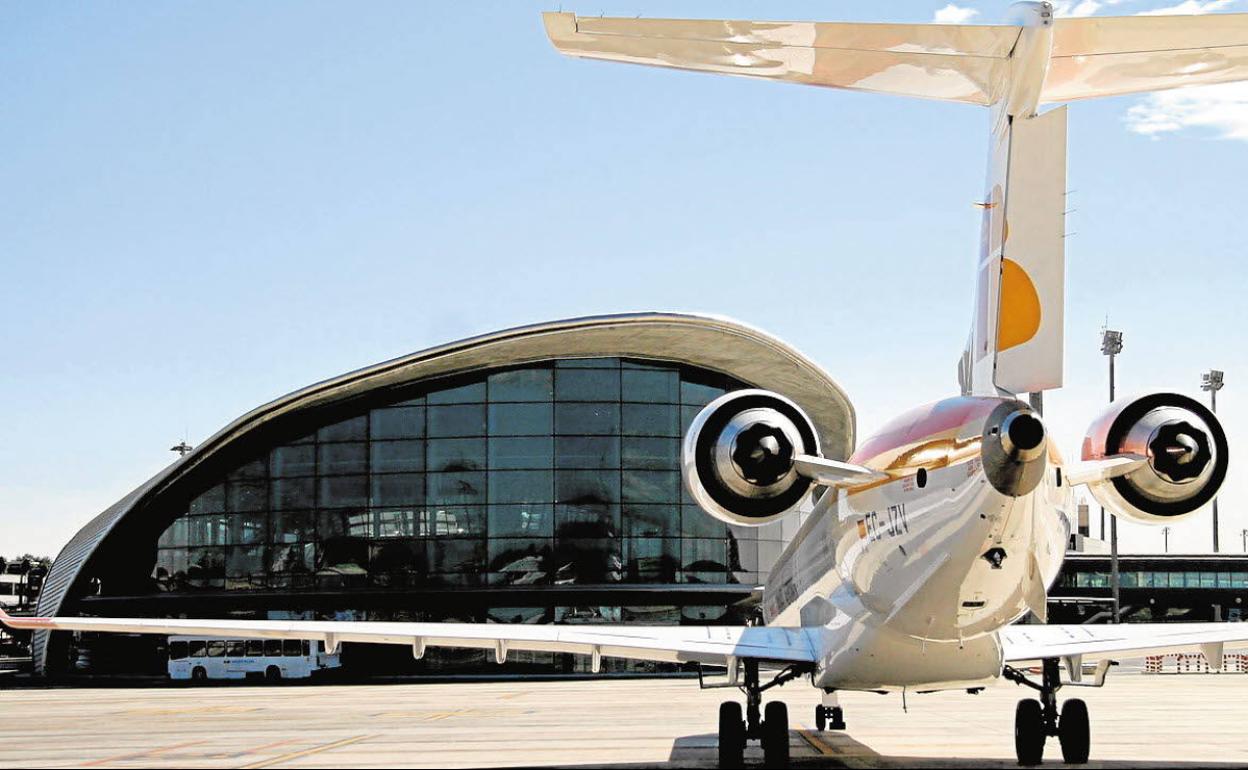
(776, 734)
(1074, 733)
(731, 735)
(1029, 732)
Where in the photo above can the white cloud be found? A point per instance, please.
(1221, 108)
(954, 14)
(1076, 7)
(1190, 7)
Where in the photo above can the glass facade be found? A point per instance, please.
(1186, 579)
(564, 473)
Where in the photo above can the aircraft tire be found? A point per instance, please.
(776, 734)
(821, 719)
(731, 735)
(1029, 732)
(1074, 733)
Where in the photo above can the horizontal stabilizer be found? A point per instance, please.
(961, 63)
(1110, 56)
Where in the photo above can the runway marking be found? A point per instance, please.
(148, 754)
(306, 752)
(174, 711)
(817, 743)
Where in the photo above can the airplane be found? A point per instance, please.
(921, 552)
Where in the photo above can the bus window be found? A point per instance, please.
(255, 648)
(216, 648)
(291, 647)
(234, 649)
(307, 648)
(177, 650)
(198, 648)
(273, 647)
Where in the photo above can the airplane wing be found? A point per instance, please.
(1108, 56)
(1097, 642)
(961, 63)
(674, 644)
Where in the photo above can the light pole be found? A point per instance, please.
(1243, 536)
(1165, 532)
(1211, 381)
(1111, 345)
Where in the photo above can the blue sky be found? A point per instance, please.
(207, 205)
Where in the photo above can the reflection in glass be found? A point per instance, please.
(523, 520)
(520, 453)
(350, 429)
(397, 456)
(342, 458)
(520, 419)
(587, 419)
(453, 421)
(298, 460)
(587, 385)
(521, 385)
(587, 452)
(400, 422)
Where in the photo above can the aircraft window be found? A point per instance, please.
(291, 647)
(216, 648)
(254, 648)
(272, 647)
(198, 648)
(234, 649)
(177, 650)
(920, 478)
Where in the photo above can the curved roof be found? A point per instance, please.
(713, 343)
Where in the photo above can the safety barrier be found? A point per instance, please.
(1193, 663)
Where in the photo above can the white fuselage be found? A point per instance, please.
(900, 575)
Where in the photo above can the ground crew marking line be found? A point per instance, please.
(306, 752)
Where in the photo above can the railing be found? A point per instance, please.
(1193, 663)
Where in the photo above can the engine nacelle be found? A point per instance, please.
(1186, 450)
(738, 457)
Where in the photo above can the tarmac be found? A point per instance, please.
(1137, 719)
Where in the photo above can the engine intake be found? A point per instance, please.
(1186, 450)
(738, 457)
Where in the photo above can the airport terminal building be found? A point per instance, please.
(530, 475)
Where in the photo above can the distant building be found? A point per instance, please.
(1170, 587)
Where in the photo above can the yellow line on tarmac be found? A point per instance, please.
(817, 743)
(306, 752)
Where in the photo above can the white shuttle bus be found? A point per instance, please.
(200, 659)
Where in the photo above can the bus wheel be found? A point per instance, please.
(272, 674)
(198, 674)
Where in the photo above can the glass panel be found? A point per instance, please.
(587, 560)
(521, 385)
(272, 648)
(650, 386)
(248, 528)
(520, 419)
(297, 493)
(587, 363)
(652, 520)
(294, 558)
(254, 647)
(455, 488)
(521, 521)
(174, 535)
(397, 456)
(587, 385)
(299, 460)
(350, 429)
(456, 454)
(449, 421)
(587, 487)
(520, 453)
(291, 648)
(652, 487)
(198, 648)
(587, 452)
(207, 530)
(177, 650)
(520, 487)
(524, 558)
(704, 555)
(344, 491)
(651, 560)
(206, 564)
(650, 420)
(587, 520)
(1208, 580)
(342, 557)
(1239, 579)
(398, 489)
(399, 556)
(254, 469)
(342, 458)
(471, 393)
(216, 648)
(294, 527)
(457, 555)
(695, 522)
(344, 523)
(396, 522)
(650, 453)
(234, 648)
(400, 422)
(455, 521)
(247, 496)
(211, 501)
(587, 419)
(696, 394)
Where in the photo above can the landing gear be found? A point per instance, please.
(769, 726)
(829, 715)
(1036, 720)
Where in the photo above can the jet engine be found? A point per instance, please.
(1174, 450)
(739, 457)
